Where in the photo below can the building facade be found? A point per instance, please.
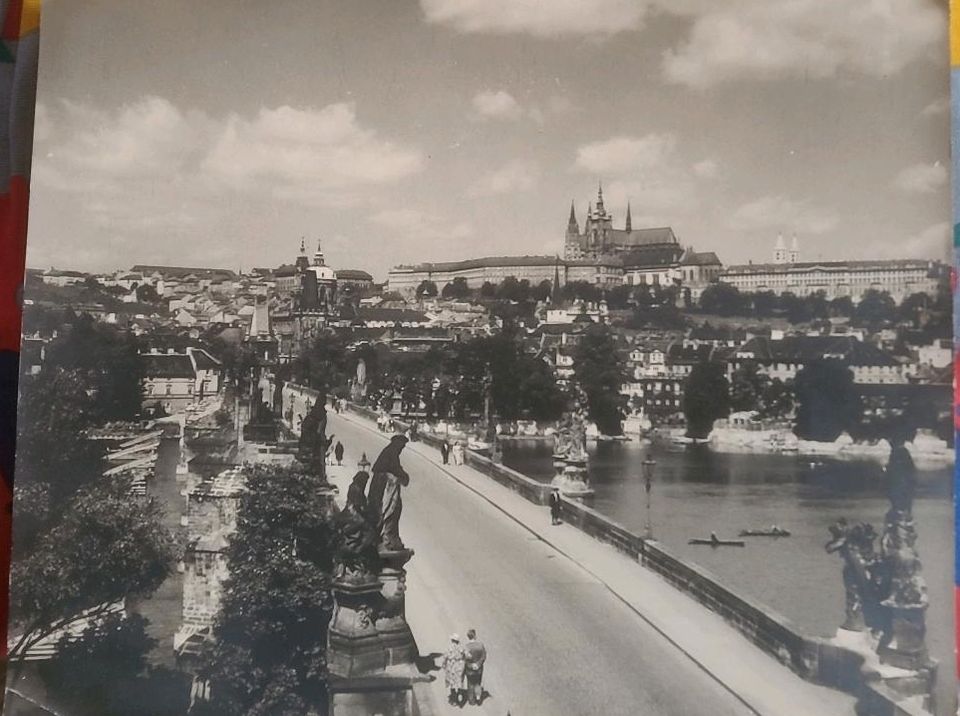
(836, 279)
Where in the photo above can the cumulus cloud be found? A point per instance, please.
(647, 171)
(413, 223)
(150, 163)
(514, 176)
(921, 178)
(623, 154)
(498, 104)
(934, 242)
(767, 39)
(781, 213)
(557, 18)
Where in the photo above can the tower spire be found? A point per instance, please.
(629, 226)
(573, 215)
(600, 196)
(303, 246)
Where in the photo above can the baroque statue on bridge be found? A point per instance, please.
(861, 579)
(384, 502)
(313, 444)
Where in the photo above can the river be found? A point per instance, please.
(697, 491)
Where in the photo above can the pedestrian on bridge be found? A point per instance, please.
(453, 667)
(555, 506)
(338, 452)
(457, 453)
(476, 655)
(445, 452)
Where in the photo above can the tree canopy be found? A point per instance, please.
(600, 373)
(706, 398)
(827, 401)
(270, 636)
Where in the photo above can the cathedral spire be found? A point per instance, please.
(572, 224)
(600, 197)
(629, 226)
(303, 247)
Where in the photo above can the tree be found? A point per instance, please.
(457, 288)
(107, 545)
(582, 290)
(426, 289)
(619, 296)
(746, 387)
(54, 458)
(764, 303)
(841, 307)
(722, 299)
(324, 365)
(147, 294)
(510, 289)
(539, 397)
(827, 401)
(776, 399)
(542, 291)
(108, 361)
(269, 652)
(105, 672)
(488, 290)
(875, 309)
(913, 308)
(600, 373)
(706, 398)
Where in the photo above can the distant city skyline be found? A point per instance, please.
(220, 133)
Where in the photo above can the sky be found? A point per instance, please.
(218, 133)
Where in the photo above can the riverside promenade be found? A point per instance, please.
(571, 625)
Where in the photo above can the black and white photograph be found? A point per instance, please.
(507, 357)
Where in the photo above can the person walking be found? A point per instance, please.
(445, 452)
(475, 655)
(555, 506)
(338, 452)
(453, 667)
(458, 453)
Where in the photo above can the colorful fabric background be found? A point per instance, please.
(19, 50)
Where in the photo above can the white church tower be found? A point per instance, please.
(780, 251)
(794, 250)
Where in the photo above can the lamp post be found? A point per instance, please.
(648, 467)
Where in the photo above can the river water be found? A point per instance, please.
(697, 491)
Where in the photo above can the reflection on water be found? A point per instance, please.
(696, 492)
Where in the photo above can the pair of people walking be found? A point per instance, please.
(455, 452)
(463, 670)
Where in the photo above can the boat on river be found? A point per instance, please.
(715, 541)
(771, 531)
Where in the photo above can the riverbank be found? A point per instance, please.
(928, 452)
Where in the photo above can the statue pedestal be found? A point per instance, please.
(353, 643)
(371, 652)
(907, 649)
(391, 624)
(573, 479)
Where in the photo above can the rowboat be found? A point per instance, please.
(715, 541)
(772, 531)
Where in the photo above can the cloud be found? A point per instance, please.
(299, 153)
(413, 223)
(497, 105)
(557, 18)
(769, 39)
(780, 213)
(934, 242)
(706, 169)
(515, 176)
(624, 154)
(150, 164)
(939, 106)
(921, 178)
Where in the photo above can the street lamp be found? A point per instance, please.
(648, 467)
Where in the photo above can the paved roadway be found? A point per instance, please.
(559, 642)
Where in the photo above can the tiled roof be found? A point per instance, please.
(184, 271)
(802, 349)
(643, 237)
(401, 315)
(353, 275)
(167, 365)
(700, 258)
